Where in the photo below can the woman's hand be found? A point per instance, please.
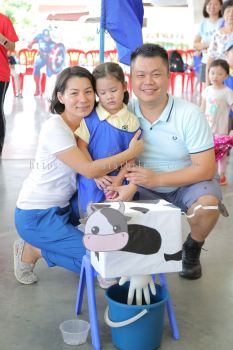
(136, 145)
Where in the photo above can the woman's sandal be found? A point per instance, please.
(23, 271)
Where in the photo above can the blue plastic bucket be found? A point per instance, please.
(135, 327)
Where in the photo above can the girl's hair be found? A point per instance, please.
(205, 13)
(61, 82)
(225, 5)
(220, 63)
(113, 70)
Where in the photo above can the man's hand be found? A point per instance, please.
(139, 284)
(124, 193)
(142, 176)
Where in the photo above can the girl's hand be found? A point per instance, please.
(136, 145)
(103, 182)
(123, 193)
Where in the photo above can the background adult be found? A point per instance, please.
(178, 163)
(8, 38)
(43, 216)
(221, 36)
(211, 22)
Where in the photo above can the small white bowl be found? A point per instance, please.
(74, 332)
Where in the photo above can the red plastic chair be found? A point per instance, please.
(174, 75)
(76, 57)
(111, 56)
(26, 60)
(93, 58)
(190, 73)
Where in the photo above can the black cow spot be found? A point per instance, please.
(142, 240)
(176, 256)
(142, 210)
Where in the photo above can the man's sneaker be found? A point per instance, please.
(105, 283)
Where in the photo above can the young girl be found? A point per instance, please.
(107, 131)
(216, 104)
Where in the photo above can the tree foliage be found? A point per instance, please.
(17, 10)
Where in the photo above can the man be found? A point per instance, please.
(178, 163)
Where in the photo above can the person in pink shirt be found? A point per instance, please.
(8, 38)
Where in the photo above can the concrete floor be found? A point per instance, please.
(30, 315)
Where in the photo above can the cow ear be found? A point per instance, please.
(90, 209)
(121, 208)
(83, 220)
(81, 227)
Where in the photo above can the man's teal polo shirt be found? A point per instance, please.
(181, 130)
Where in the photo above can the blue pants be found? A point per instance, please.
(52, 231)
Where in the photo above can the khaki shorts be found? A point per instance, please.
(185, 196)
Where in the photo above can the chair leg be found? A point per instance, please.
(13, 85)
(170, 309)
(92, 304)
(87, 275)
(81, 287)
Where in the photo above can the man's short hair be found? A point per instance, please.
(150, 50)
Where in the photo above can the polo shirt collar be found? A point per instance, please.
(164, 115)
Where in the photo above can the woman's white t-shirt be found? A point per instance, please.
(51, 182)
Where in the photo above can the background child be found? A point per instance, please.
(216, 103)
(107, 131)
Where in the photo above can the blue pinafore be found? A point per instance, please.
(105, 141)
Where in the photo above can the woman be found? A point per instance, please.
(43, 216)
(8, 37)
(211, 22)
(221, 36)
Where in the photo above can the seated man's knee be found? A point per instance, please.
(206, 205)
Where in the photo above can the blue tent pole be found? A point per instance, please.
(102, 29)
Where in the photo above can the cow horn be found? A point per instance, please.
(90, 209)
(121, 207)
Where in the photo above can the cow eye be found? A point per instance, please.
(95, 230)
(116, 228)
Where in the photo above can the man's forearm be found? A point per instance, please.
(183, 177)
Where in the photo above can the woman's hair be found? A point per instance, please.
(150, 50)
(225, 5)
(220, 63)
(205, 13)
(111, 69)
(61, 82)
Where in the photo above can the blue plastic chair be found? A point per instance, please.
(87, 276)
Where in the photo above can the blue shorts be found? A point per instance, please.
(185, 196)
(52, 231)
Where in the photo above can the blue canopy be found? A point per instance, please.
(123, 20)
